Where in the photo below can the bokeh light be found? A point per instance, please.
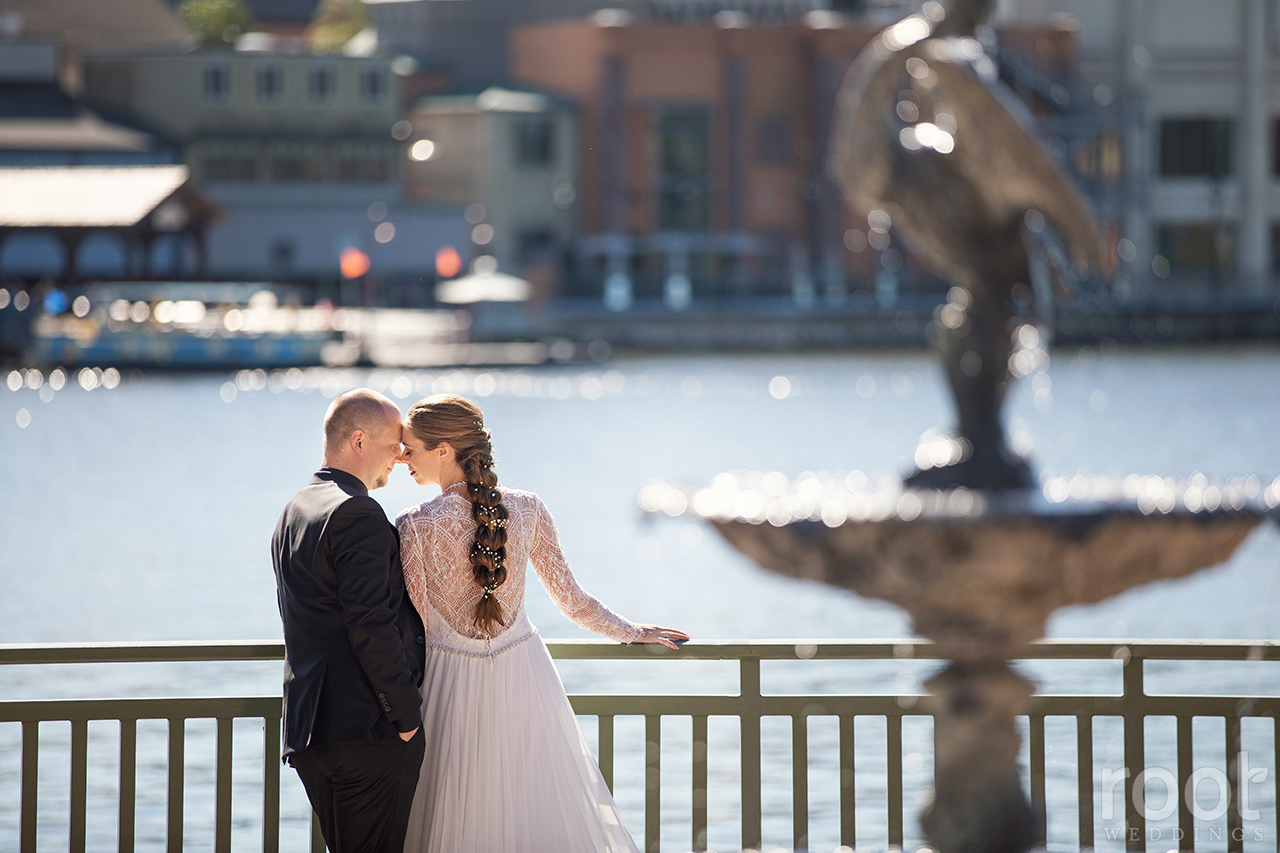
(448, 262)
(353, 263)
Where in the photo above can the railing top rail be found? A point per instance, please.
(142, 652)
(592, 649)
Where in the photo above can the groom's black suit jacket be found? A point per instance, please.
(354, 645)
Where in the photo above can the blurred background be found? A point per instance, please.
(277, 183)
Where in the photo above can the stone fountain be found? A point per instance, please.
(970, 545)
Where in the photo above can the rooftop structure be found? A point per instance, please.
(85, 197)
(94, 25)
(137, 205)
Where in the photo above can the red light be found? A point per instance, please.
(353, 262)
(448, 262)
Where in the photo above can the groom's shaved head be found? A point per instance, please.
(360, 409)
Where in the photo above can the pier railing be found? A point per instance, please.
(1134, 706)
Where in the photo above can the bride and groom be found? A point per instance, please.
(421, 710)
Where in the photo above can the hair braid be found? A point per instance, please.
(488, 550)
(458, 421)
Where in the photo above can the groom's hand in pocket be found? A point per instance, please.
(408, 736)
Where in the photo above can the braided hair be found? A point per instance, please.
(449, 418)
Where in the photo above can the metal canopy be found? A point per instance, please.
(89, 196)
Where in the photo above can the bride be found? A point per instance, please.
(506, 767)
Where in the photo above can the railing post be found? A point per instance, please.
(30, 784)
(222, 788)
(177, 764)
(1035, 746)
(848, 792)
(1135, 824)
(1186, 818)
(700, 783)
(79, 783)
(604, 749)
(271, 785)
(1275, 775)
(893, 782)
(1084, 778)
(800, 782)
(1235, 820)
(128, 783)
(317, 835)
(749, 693)
(652, 783)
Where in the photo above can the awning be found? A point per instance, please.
(94, 197)
(484, 287)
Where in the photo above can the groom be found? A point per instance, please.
(354, 645)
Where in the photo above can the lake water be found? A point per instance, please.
(144, 512)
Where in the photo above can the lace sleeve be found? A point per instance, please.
(415, 564)
(582, 608)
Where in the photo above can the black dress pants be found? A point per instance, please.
(362, 792)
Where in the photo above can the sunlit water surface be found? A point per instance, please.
(144, 512)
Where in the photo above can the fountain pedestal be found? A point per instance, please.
(978, 804)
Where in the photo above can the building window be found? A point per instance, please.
(269, 83)
(1099, 158)
(535, 246)
(683, 146)
(296, 162)
(215, 82)
(321, 83)
(230, 161)
(360, 162)
(1202, 247)
(1195, 148)
(535, 141)
(373, 85)
(775, 141)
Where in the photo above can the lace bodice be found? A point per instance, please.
(435, 540)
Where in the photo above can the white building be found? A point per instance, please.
(1175, 120)
(300, 151)
(509, 157)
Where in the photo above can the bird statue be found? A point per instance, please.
(926, 136)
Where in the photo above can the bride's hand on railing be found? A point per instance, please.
(669, 637)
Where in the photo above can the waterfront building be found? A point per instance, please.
(1175, 116)
(510, 159)
(301, 152)
(704, 139)
(470, 37)
(80, 28)
(56, 153)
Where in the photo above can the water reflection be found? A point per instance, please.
(85, 552)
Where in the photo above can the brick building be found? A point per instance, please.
(703, 150)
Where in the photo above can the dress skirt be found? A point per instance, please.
(507, 768)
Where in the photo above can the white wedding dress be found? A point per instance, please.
(507, 768)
